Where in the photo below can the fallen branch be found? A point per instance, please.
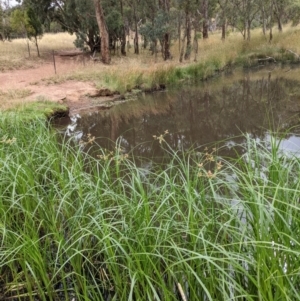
(267, 59)
(294, 53)
(69, 53)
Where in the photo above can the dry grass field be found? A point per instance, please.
(144, 71)
(14, 54)
(126, 72)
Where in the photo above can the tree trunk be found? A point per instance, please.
(37, 45)
(188, 30)
(245, 30)
(136, 34)
(91, 41)
(105, 55)
(196, 46)
(264, 21)
(249, 30)
(279, 24)
(182, 46)
(196, 37)
(165, 6)
(205, 19)
(278, 14)
(167, 53)
(271, 25)
(28, 46)
(155, 50)
(145, 43)
(179, 32)
(224, 22)
(123, 32)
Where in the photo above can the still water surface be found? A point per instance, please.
(198, 115)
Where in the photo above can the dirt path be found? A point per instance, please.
(72, 93)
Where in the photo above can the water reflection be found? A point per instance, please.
(199, 115)
(291, 144)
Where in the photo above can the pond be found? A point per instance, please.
(200, 114)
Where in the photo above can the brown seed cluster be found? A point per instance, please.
(209, 158)
(118, 156)
(160, 138)
(90, 140)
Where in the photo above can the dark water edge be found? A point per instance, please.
(221, 111)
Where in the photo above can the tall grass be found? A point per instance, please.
(148, 72)
(77, 227)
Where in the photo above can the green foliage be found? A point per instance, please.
(33, 25)
(114, 22)
(26, 22)
(55, 27)
(155, 18)
(294, 12)
(77, 18)
(18, 21)
(93, 228)
(5, 26)
(156, 29)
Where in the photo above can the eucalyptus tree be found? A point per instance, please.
(26, 21)
(286, 10)
(78, 16)
(159, 24)
(149, 12)
(135, 11)
(188, 7)
(224, 8)
(164, 6)
(105, 54)
(34, 27)
(243, 14)
(75, 16)
(205, 19)
(294, 12)
(123, 29)
(43, 9)
(158, 30)
(264, 12)
(5, 28)
(18, 24)
(279, 11)
(206, 10)
(115, 18)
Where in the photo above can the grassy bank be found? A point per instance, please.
(12, 102)
(146, 72)
(75, 227)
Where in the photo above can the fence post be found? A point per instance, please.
(54, 61)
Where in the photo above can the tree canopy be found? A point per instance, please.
(156, 23)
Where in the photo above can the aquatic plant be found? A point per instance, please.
(78, 227)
